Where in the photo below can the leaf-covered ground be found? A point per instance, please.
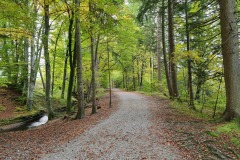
(190, 136)
(30, 144)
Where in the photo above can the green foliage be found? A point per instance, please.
(20, 109)
(3, 82)
(232, 126)
(2, 108)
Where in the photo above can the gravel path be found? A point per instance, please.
(124, 135)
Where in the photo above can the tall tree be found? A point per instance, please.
(159, 49)
(171, 40)
(169, 84)
(189, 61)
(80, 112)
(72, 60)
(93, 57)
(47, 59)
(230, 51)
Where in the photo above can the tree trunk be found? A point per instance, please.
(25, 69)
(189, 61)
(64, 75)
(54, 57)
(93, 59)
(72, 62)
(141, 75)
(35, 59)
(32, 75)
(159, 51)
(94, 108)
(41, 75)
(16, 66)
(80, 112)
(47, 60)
(230, 51)
(164, 52)
(109, 77)
(133, 73)
(172, 49)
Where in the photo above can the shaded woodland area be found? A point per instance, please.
(186, 50)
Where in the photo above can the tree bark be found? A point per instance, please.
(173, 72)
(64, 75)
(72, 62)
(80, 112)
(54, 57)
(164, 52)
(93, 59)
(230, 51)
(189, 61)
(159, 51)
(47, 60)
(109, 77)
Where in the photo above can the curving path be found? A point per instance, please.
(124, 135)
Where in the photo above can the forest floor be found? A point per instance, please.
(136, 127)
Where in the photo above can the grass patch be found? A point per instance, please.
(183, 108)
(229, 127)
(2, 108)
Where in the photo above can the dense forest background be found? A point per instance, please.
(186, 50)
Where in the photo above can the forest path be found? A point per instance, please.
(126, 134)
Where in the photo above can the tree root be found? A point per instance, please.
(234, 152)
(217, 152)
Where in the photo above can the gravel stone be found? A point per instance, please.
(124, 135)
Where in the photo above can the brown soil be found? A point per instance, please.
(8, 98)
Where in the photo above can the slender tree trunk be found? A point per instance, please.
(141, 75)
(54, 57)
(64, 75)
(32, 75)
(230, 51)
(94, 108)
(16, 66)
(41, 75)
(164, 52)
(189, 61)
(80, 112)
(159, 51)
(35, 59)
(72, 62)
(47, 60)
(109, 77)
(172, 49)
(25, 69)
(97, 61)
(93, 59)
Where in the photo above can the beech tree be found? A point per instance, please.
(230, 52)
(47, 59)
(80, 112)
